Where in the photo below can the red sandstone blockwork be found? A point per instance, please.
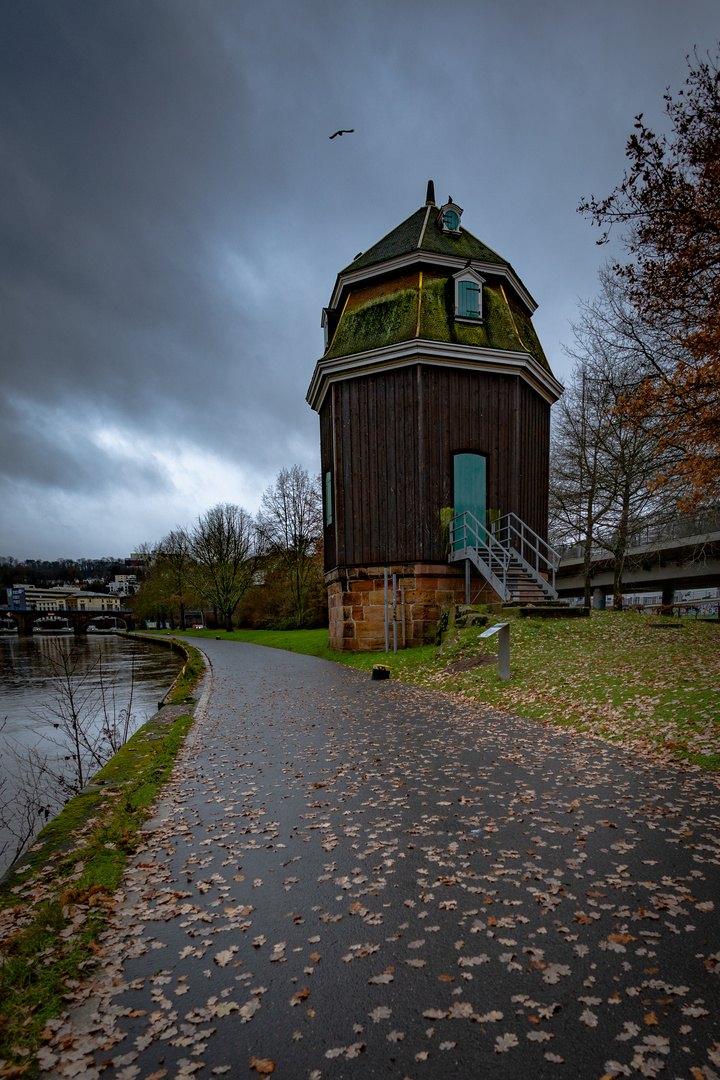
(356, 604)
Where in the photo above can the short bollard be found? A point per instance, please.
(503, 630)
(380, 671)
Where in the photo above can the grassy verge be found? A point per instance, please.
(56, 904)
(624, 677)
(314, 643)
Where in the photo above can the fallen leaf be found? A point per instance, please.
(249, 1009)
(460, 1009)
(503, 1043)
(225, 956)
(224, 1008)
(264, 1066)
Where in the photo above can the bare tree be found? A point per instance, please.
(88, 727)
(580, 488)
(77, 731)
(173, 556)
(606, 468)
(290, 524)
(26, 802)
(223, 549)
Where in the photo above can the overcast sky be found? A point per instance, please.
(174, 215)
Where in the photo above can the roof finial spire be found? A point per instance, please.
(430, 197)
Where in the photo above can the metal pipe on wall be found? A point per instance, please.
(394, 587)
(387, 635)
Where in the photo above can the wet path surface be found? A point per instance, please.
(351, 878)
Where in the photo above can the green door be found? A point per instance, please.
(469, 489)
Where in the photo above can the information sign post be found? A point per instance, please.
(503, 632)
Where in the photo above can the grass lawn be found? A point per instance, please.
(315, 643)
(621, 676)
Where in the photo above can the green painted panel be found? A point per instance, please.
(469, 485)
(328, 499)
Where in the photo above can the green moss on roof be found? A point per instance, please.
(499, 320)
(526, 331)
(392, 319)
(407, 236)
(376, 324)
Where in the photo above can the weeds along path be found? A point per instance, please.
(366, 879)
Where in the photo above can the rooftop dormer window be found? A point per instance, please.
(450, 215)
(468, 295)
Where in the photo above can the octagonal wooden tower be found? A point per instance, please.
(434, 397)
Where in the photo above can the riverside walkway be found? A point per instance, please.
(348, 878)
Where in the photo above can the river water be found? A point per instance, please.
(109, 679)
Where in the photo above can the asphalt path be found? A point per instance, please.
(349, 878)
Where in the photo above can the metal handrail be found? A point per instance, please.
(467, 532)
(509, 528)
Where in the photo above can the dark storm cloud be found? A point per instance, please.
(173, 213)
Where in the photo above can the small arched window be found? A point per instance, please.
(449, 217)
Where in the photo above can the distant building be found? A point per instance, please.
(59, 598)
(124, 585)
(89, 601)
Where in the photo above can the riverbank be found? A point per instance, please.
(55, 902)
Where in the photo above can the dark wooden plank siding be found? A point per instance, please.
(397, 432)
(534, 459)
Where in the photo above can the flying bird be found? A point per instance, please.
(343, 131)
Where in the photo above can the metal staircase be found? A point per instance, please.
(518, 563)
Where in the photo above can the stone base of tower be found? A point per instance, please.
(356, 603)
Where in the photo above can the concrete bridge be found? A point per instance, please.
(686, 562)
(79, 620)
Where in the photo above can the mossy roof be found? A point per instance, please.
(422, 231)
(393, 318)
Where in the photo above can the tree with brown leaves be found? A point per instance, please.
(669, 207)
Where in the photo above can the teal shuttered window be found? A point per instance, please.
(468, 300)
